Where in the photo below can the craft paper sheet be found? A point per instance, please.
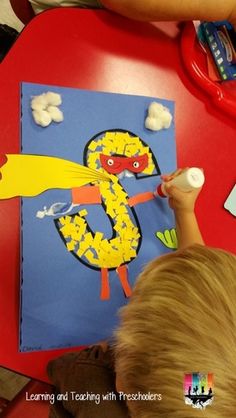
(66, 257)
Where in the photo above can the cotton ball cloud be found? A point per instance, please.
(45, 110)
(159, 117)
(153, 124)
(41, 117)
(39, 102)
(53, 99)
(55, 113)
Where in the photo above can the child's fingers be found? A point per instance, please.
(175, 192)
(170, 176)
(178, 171)
(182, 197)
(166, 177)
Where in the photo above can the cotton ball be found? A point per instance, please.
(166, 118)
(155, 109)
(55, 113)
(39, 102)
(53, 99)
(42, 117)
(159, 117)
(153, 124)
(41, 213)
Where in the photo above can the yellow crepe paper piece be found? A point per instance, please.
(71, 245)
(65, 220)
(97, 239)
(149, 169)
(92, 146)
(90, 257)
(83, 247)
(83, 212)
(77, 220)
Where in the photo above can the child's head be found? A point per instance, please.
(180, 319)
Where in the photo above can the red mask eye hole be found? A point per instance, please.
(136, 164)
(110, 162)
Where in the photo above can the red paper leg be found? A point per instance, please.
(123, 276)
(105, 288)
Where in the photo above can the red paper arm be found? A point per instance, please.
(86, 195)
(140, 198)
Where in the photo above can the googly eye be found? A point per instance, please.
(136, 164)
(110, 162)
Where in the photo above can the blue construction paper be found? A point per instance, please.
(60, 297)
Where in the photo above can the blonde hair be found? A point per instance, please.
(180, 319)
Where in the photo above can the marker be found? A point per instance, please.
(190, 179)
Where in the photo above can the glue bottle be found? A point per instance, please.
(192, 178)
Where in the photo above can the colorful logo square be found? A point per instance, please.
(198, 389)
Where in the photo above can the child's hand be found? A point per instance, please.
(180, 201)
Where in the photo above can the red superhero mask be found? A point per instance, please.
(115, 165)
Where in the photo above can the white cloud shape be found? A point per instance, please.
(159, 117)
(45, 110)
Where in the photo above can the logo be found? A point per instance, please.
(198, 389)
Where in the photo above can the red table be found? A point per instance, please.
(101, 51)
